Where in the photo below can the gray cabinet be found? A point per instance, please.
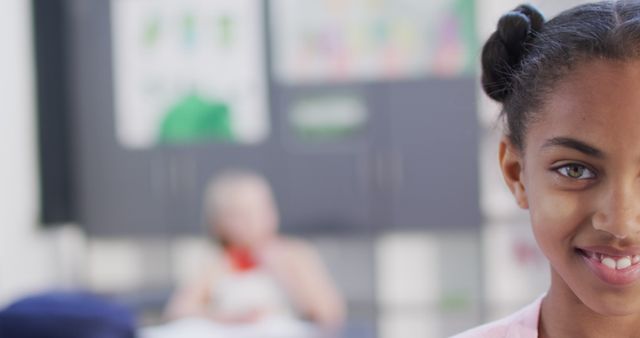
(413, 166)
(433, 154)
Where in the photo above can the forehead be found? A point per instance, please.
(598, 102)
(245, 194)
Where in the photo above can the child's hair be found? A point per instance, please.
(526, 56)
(221, 187)
(225, 184)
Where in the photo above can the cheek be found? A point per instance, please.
(555, 217)
(555, 209)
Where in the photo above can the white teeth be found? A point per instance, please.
(616, 262)
(609, 262)
(623, 262)
(619, 264)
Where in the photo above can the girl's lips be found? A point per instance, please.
(603, 265)
(611, 251)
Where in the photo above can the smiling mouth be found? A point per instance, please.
(614, 267)
(609, 261)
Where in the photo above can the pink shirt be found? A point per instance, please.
(522, 324)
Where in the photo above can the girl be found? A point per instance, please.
(570, 93)
(261, 283)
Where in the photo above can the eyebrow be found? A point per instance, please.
(571, 143)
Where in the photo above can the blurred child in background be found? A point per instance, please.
(259, 280)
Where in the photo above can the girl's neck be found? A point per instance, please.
(562, 314)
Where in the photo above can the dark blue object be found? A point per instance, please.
(66, 315)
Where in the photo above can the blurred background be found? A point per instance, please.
(365, 116)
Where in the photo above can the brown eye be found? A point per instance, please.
(576, 171)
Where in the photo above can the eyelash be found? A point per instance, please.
(569, 166)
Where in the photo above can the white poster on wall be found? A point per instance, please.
(188, 71)
(331, 40)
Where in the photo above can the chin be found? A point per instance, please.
(614, 305)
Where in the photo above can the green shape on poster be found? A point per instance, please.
(189, 32)
(151, 33)
(226, 27)
(195, 119)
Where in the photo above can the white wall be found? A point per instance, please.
(26, 254)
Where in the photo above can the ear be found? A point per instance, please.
(512, 165)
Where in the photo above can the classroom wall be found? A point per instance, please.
(27, 256)
(32, 258)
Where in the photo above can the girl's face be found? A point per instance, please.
(579, 175)
(249, 217)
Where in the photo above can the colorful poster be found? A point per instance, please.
(337, 40)
(189, 71)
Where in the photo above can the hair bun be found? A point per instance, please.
(513, 30)
(535, 16)
(504, 50)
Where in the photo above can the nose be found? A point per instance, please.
(619, 211)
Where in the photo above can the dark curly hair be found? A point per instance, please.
(526, 56)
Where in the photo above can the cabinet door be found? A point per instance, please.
(324, 173)
(434, 155)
